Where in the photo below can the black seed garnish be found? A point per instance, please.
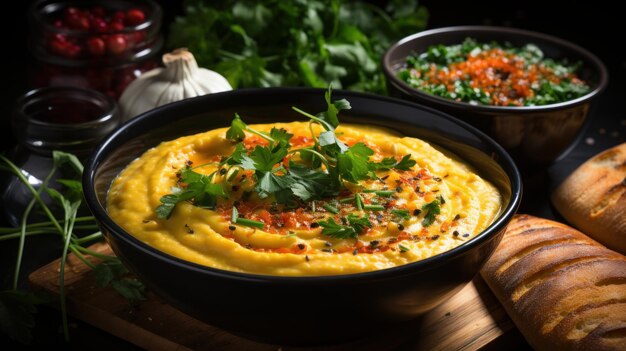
(235, 187)
(328, 244)
(457, 217)
(315, 225)
(434, 237)
(301, 246)
(455, 233)
(248, 246)
(437, 179)
(385, 177)
(465, 235)
(435, 191)
(306, 258)
(415, 237)
(399, 189)
(222, 171)
(400, 227)
(379, 217)
(231, 227)
(417, 212)
(327, 250)
(146, 221)
(189, 162)
(443, 201)
(392, 240)
(189, 230)
(356, 251)
(374, 243)
(344, 221)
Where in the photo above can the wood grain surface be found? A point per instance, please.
(471, 320)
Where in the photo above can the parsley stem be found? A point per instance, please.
(29, 207)
(96, 254)
(69, 224)
(94, 236)
(81, 257)
(325, 124)
(262, 135)
(359, 202)
(19, 234)
(331, 209)
(384, 192)
(250, 223)
(321, 157)
(45, 208)
(347, 199)
(374, 207)
(204, 165)
(11, 230)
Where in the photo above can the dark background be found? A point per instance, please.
(591, 24)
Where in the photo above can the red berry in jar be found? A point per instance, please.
(98, 11)
(58, 47)
(119, 16)
(116, 26)
(79, 22)
(71, 12)
(135, 17)
(96, 46)
(99, 25)
(116, 44)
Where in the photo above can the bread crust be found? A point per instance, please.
(593, 198)
(563, 290)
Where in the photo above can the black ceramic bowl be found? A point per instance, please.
(300, 310)
(534, 135)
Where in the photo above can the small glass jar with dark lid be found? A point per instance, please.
(68, 119)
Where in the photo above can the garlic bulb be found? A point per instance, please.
(180, 79)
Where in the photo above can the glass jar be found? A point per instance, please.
(102, 45)
(68, 119)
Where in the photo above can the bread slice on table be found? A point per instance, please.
(593, 198)
(563, 290)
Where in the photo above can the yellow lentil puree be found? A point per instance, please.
(291, 242)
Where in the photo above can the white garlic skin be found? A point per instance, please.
(181, 78)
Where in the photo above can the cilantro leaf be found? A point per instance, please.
(280, 136)
(431, 210)
(388, 163)
(330, 115)
(353, 165)
(200, 188)
(236, 130)
(264, 158)
(311, 183)
(336, 230)
(403, 214)
(236, 156)
(359, 223)
(130, 288)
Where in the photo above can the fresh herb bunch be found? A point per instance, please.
(321, 172)
(17, 306)
(295, 43)
(501, 74)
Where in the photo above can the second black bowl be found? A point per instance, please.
(534, 135)
(301, 310)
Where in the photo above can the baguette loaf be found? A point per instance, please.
(593, 198)
(563, 290)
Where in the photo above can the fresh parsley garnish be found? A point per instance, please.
(403, 248)
(388, 163)
(199, 187)
(356, 225)
(403, 214)
(431, 210)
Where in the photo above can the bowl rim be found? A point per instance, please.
(505, 162)
(597, 64)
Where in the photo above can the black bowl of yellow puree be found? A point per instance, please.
(301, 309)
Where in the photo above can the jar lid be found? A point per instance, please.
(63, 118)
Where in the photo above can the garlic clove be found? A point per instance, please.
(181, 78)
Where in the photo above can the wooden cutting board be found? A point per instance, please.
(471, 320)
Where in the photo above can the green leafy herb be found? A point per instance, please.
(388, 163)
(199, 187)
(336, 230)
(359, 223)
(295, 43)
(250, 223)
(403, 248)
(431, 210)
(16, 307)
(403, 214)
